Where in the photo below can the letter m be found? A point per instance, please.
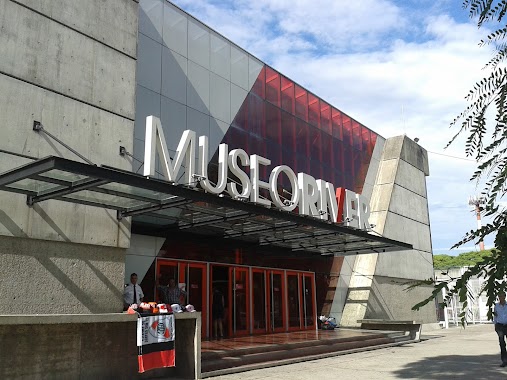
(155, 143)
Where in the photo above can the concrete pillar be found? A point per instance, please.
(399, 211)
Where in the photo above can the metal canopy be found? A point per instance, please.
(186, 208)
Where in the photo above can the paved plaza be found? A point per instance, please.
(456, 353)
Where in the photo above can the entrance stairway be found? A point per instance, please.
(243, 354)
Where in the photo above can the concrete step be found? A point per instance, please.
(210, 355)
(258, 357)
(275, 363)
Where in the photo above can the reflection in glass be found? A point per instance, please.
(293, 299)
(259, 300)
(308, 300)
(240, 300)
(276, 300)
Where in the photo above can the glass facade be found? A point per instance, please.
(289, 125)
(192, 78)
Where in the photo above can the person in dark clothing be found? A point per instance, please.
(217, 309)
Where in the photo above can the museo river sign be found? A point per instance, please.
(312, 197)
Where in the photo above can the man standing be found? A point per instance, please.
(132, 292)
(171, 294)
(500, 320)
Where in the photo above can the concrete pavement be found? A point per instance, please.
(456, 353)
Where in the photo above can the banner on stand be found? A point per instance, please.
(155, 342)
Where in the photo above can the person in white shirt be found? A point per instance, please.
(132, 292)
(500, 320)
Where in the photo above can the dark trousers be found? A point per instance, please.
(501, 331)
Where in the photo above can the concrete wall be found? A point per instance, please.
(44, 277)
(399, 211)
(90, 347)
(70, 65)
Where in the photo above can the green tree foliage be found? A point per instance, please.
(486, 142)
(492, 268)
(466, 259)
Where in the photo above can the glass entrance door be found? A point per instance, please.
(166, 270)
(239, 295)
(194, 277)
(277, 301)
(294, 300)
(260, 299)
(308, 301)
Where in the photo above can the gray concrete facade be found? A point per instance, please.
(71, 66)
(399, 210)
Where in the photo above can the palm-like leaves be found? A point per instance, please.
(487, 140)
(487, 143)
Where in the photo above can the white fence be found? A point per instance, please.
(477, 310)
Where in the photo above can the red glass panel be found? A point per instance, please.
(256, 118)
(325, 118)
(302, 135)
(272, 86)
(301, 102)
(373, 141)
(365, 134)
(274, 153)
(338, 163)
(287, 94)
(348, 161)
(273, 124)
(288, 133)
(336, 121)
(327, 150)
(257, 145)
(313, 110)
(327, 174)
(258, 86)
(356, 135)
(315, 143)
(289, 158)
(338, 179)
(347, 130)
(359, 173)
(316, 169)
(302, 164)
(241, 118)
(237, 138)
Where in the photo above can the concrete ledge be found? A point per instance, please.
(57, 319)
(90, 346)
(412, 327)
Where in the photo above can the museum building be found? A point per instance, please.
(169, 151)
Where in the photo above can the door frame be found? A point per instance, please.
(309, 276)
(300, 309)
(266, 301)
(232, 300)
(271, 328)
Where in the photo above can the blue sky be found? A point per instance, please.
(399, 67)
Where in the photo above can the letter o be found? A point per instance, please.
(286, 205)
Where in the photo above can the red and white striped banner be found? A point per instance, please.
(155, 342)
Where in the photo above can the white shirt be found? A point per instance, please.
(500, 313)
(128, 294)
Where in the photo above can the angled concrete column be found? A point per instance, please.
(399, 211)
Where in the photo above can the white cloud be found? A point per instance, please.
(393, 68)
